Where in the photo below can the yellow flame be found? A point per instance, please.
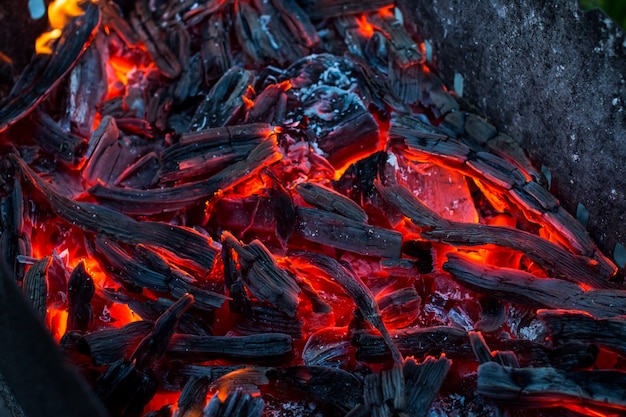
(60, 14)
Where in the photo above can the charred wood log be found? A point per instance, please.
(327, 347)
(258, 347)
(166, 199)
(35, 287)
(224, 100)
(330, 200)
(64, 146)
(107, 346)
(80, 290)
(550, 256)
(263, 277)
(526, 289)
(193, 397)
(340, 232)
(567, 327)
(601, 390)
(97, 219)
(13, 241)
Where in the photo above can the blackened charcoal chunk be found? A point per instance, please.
(110, 345)
(236, 404)
(80, 290)
(342, 124)
(358, 180)
(422, 250)
(193, 397)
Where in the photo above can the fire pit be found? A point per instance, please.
(246, 208)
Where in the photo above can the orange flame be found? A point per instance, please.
(60, 14)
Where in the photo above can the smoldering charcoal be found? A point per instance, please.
(277, 209)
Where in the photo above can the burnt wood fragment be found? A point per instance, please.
(236, 404)
(80, 290)
(13, 241)
(524, 288)
(357, 290)
(107, 346)
(193, 397)
(166, 199)
(328, 347)
(565, 327)
(224, 100)
(128, 385)
(210, 150)
(263, 346)
(263, 319)
(263, 277)
(215, 49)
(340, 232)
(330, 200)
(64, 146)
(97, 219)
(602, 391)
(339, 388)
(400, 308)
(35, 287)
(46, 71)
(153, 39)
(562, 263)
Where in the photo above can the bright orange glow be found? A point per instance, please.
(365, 27)
(60, 14)
(387, 11)
(57, 322)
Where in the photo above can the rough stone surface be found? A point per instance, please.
(553, 77)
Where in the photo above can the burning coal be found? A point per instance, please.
(246, 208)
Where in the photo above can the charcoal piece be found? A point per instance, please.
(80, 290)
(357, 290)
(493, 314)
(298, 22)
(343, 126)
(324, 9)
(270, 105)
(318, 305)
(13, 240)
(103, 152)
(142, 173)
(480, 348)
(152, 37)
(64, 146)
(327, 347)
(177, 374)
(425, 145)
(504, 175)
(417, 342)
(524, 288)
(283, 207)
(239, 301)
(88, 86)
(602, 391)
(45, 71)
(247, 379)
(210, 150)
(406, 389)
(400, 308)
(572, 355)
(107, 346)
(478, 129)
(261, 319)
(333, 386)
(422, 250)
(402, 47)
(508, 148)
(330, 200)
(129, 269)
(215, 49)
(193, 397)
(154, 346)
(236, 404)
(112, 19)
(565, 327)
(553, 258)
(263, 346)
(35, 287)
(223, 101)
(126, 390)
(263, 277)
(166, 199)
(340, 232)
(181, 284)
(151, 310)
